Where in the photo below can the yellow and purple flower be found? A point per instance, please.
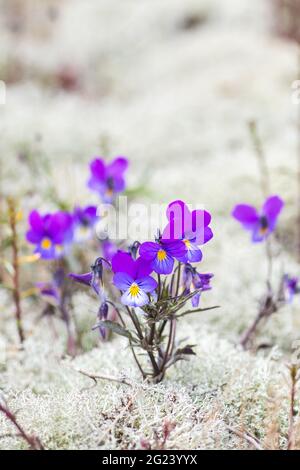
(260, 223)
(50, 233)
(133, 279)
(84, 220)
(190, 227)
(161, 254)
(108, 179)
(195, 282)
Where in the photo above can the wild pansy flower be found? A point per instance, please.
(190, 227)
(193, 281)
(53, 289)
(84, 220)
(161, 254)
(132, 278)
(291, 286)
(108, 179)
(50, 233)
(260, 223)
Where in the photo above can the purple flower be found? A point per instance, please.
(132, 278)
(161, 254)
(50, 233)
(291, 286)
(190, 227)
(108, 179)
(261, 224)
(93, 278)
(84, 220)
(193, 281)
(53, 289)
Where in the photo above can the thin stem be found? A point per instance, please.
(16, 273)
(291, 437)
(298, 175)
(178, 280)
(247, 437)
(95, 377)
(33, 441)
(261, 159)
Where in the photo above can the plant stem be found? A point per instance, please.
(15, 263)
(33, 441)
(293, 373)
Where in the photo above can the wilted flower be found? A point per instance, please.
(50, 233)
(84, 220)
(161, 254)
(190, 227)
(193, 281)
(108, 179)
(261, 224)
(132, 278)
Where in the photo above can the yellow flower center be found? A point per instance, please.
(134, 290)
(161, 255)
(187, 243)
(109, 192)
(46, 243)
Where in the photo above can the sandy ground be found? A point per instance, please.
(171, 85)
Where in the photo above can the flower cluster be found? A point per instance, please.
(53, 233)
(153, 281)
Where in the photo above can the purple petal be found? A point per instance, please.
(36, 222)
(177, 248)
(164, 266)
(246, 215)
(196, 299)
(122, 262)
(122, 281)
(98, 169)
(192, 255)
(34, 237)
(85, 279)
(117, 167)
(142, 268)
(147, 284)
(148, 250)
(272, 208)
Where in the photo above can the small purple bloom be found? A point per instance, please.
(84, 220)
(161, 254)
(291, 286)
(108, 179)
(260, 223)
(93, 278)
(190, 227)
(50, 233)
(53, 289)
(193, 281)
(132, 278)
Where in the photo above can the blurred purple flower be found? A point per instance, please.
(50, 233)
(161, 254)
(261, 224)
(132, 278)
(193, 281)
(108, 179)
(190, 227)
(291, 286)
(84, 220)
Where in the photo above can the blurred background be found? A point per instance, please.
(172, 85)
